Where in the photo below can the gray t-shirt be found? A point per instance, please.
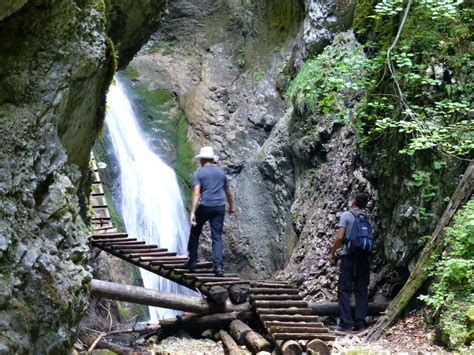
(347, 220)
(212, 180)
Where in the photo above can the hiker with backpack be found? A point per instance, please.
(355, 236)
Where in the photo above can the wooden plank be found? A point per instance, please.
(138, 253)
(108, 235)
(156, 256)
(100, 206)
(303, 336)
(207, 274)
(276, 297)
(302, 311)
(280, 304)
(270, 284)
(112, 240)
(269, 324)
(273, 291)
(168, 259)
(280, 329)
(288, 318)
(136, 248)
(125, 243)
(211, 279)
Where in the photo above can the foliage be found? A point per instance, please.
(452, 292)
(259, 75)
(241, 58)
(324, 81)
(427, 98)
(165, 47)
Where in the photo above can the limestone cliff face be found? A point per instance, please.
(226, 64)
(56, 62)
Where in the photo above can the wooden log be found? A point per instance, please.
(291, 347)
(243, 334)
(198, 322)
(238, 330)
(303, 336)
(257, 343)
(332, 308)
(238, 293)
(218, 294)
(277, 297)
(317, 347)
(280, 304)
(155, 298)
(420, 274)
(273, 291)
(288, 318)
(149, 297)
(302, 311)
(230, 346)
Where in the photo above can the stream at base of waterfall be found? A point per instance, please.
(151, 201)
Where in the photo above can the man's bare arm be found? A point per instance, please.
(337, 244)
(230, 199)
(194, 203)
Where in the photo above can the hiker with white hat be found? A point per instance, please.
(210, 193)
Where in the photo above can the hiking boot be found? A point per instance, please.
(359, 328)
(342, 329)
(219, 272)
(191, 266)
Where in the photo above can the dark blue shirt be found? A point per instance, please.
(212, 180)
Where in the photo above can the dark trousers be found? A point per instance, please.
(353, 277)
(215, 215)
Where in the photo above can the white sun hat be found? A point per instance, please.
(207, 153)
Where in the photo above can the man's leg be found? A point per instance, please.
(346, 282)
(361, 285)
(196, 230)
(217, 225)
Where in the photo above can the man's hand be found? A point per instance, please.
(192, 219)
(231, 210)
(333, 259)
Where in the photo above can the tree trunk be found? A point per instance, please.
(231, 347)
(155, 298)
(243, 334)
(419, 275)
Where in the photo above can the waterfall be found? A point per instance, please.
(151, 202)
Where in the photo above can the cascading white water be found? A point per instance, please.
(151, 202)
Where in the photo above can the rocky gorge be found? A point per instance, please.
(204, 72)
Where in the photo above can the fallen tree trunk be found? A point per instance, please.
(155, 298)
(419, 275)
(243, 334)
(196, 322)
(231, 347)
(332, 308)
